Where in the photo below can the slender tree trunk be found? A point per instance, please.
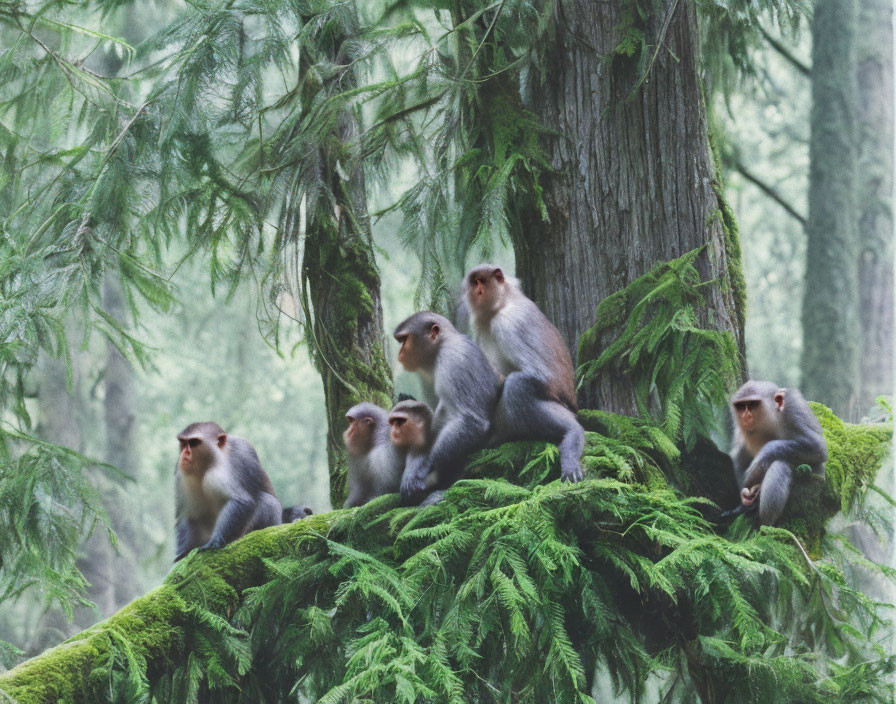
(875, 194)
(634, 178)
(119, 415)
(346, 327)
(831, 315)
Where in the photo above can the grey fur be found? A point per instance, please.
(233, 497)
(793, 436)
(379, 471)
(538, 398)
(457, 374)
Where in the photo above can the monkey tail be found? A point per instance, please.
(296, 513)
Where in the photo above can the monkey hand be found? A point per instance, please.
(412, 484)
(572, 473)
(748, 496)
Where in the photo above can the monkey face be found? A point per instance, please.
(197, 453)
(485, 289)
(748, 412)
(418, 351)
(407, 353)
(406, 431)
(757, 412)
(358, 436)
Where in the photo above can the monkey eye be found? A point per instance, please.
(744, 405)
(194, 442)
(397, 421)
(401, 337)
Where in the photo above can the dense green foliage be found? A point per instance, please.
(501, 591)
(241, 131)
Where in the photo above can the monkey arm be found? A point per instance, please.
(186, 538)
(235, 516)
(458, 437)
(803, 449)
(741, 459)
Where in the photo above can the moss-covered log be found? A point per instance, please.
(634, 571)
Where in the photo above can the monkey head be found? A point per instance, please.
(756, 407)
(410, 424)
(200, 446)
(485, 289)
(360, 435)
(420, 337)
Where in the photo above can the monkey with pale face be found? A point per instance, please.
(775, 431)
(457, 375)
(221, 490)
(538, 399)
(374, 464)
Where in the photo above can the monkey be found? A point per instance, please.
(775, 431)
(410, 424)
(538, 399)
(374, 464)
(456, 374)
(221, 490)
(410, 429)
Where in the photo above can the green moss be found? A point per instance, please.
(735, 280)
(855, 454)
(156, 629)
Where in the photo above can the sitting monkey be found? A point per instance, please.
(775, 431)
(222, 492)
(374, 465)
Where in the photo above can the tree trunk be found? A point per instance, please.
(346, 327)
(634, 178)
(831, 327)
(875, 197)
(119, 415)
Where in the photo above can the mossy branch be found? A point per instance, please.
(495, 586)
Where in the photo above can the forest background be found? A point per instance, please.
(179, 179)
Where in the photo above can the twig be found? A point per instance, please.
(770, 192)
(785, 52)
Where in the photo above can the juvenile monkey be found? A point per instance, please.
(775, 431)
(538, 400)
(374, 465)
(222, 492)
(455, 372)
(410, 429)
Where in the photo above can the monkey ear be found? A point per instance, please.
(434, 331)
(222, 439)
(499, 276)
(779, 398)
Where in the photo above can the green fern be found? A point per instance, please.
(651, 331)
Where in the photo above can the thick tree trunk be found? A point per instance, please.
(634, 181)
(875, 197)
(831, 327)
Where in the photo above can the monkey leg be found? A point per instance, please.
(268, 512)
(524, 414)
(775, 492)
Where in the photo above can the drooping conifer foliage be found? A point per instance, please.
(252, 132)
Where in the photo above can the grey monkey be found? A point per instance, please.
(775, 431)
(538, 399)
